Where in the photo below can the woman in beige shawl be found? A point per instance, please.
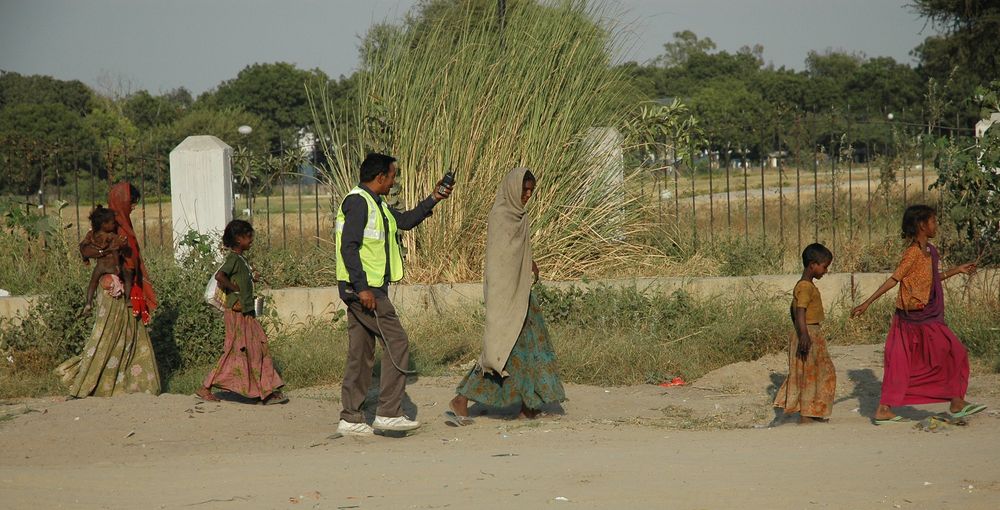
(517, 365)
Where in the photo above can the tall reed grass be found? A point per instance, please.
(458, 93)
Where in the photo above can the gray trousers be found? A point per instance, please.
(362, 331)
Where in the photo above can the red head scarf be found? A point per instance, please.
(143, 297)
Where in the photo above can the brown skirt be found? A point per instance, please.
(812, 383)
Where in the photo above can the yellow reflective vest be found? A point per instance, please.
(373, 244)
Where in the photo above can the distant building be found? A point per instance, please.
(985, 124)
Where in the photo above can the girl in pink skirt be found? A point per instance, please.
(924, 360)
(246, 366)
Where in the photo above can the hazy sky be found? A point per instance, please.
(162, 44)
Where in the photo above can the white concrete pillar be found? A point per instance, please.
(605, 146)
(201, 188)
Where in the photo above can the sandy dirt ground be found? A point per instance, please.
(714, 444)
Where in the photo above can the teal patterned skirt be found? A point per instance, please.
(533, 379)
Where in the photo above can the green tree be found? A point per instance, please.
(732, 116)
(18, 89)
(964, 55)
(222, 124)
(685, 45)
(274, 93)
(884, 83)
(147, 111)
(43, 142)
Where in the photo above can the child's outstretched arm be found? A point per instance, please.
(967, 268)
(886, 287)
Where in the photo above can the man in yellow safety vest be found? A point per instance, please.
(368, 259)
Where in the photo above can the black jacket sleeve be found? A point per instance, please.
(409, 219)
(355, 218)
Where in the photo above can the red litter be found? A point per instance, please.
(676, 381)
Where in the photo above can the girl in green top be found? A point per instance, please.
(246, 367)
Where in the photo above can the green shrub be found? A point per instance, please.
(745, 257)
(185, 331)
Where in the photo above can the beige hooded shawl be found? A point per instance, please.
(508, 277)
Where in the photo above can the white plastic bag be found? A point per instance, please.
(214, 296)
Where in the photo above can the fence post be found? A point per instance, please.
(298, 192)
(142, 194)
(76, 187)
(316, 196)
(674, 166)
(850, 178)
(834, 154)
(729, 202)
(746, 201)
(923, 169)
(763, 204)
(694, 207)
(711, 199)
(781, 191)
(284, 224)
(815, 190)
(159, 195)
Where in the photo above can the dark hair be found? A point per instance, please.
(374, 165)
(816, 253)
(914, 216)
(528, 176)
(234, 229)
(99, 216)
(133, 194)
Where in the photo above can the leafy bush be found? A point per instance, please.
(969, 180)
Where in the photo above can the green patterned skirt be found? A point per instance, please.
(118, 358)
(533, 379)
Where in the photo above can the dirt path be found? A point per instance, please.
(703, 446)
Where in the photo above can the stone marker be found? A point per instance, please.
(201, 188)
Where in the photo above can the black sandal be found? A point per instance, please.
(276, 398)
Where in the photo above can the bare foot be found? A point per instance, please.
(206, 395)
(957, 404)
(884, 413)
(459, 405)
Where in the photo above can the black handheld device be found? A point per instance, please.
(447, 181)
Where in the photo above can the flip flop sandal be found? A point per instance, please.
(210, 397)
(968, 410)
(893, 420)
(453, 420)
(276, 398)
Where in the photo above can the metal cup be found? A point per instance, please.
(258, 306)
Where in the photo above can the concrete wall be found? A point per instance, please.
(298, 305)
(839, 290)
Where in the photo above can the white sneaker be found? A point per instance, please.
(399, 423)
(347, 428)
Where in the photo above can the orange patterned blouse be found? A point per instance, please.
(806, 295)
(915, 277)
